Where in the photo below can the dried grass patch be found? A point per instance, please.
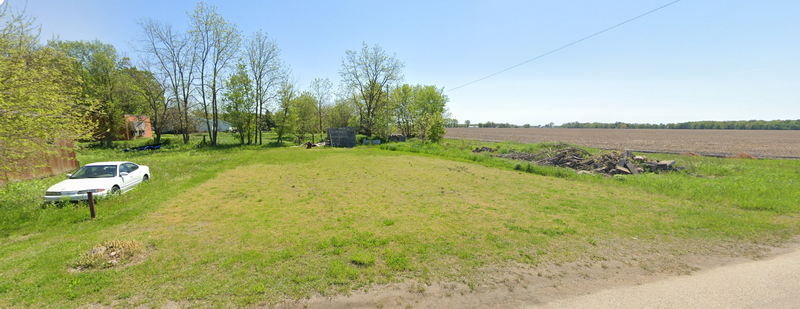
(108, 254)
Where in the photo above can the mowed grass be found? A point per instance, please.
(244, 226)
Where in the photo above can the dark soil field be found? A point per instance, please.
(759, 143)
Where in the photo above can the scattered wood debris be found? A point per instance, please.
(611, 163)
(483, 149)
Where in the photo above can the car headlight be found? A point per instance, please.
(92, 190)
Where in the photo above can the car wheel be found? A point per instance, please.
(114, 190)
(145, 178)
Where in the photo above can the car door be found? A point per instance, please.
(136, 174)
(127, 180)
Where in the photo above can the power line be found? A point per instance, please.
(552, 51)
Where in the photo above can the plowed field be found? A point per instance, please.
(760, 143)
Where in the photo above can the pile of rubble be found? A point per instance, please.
(482, 149)
(612, 163)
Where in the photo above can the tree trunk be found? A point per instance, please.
(185, 124)
(110, 133)
(214, 114)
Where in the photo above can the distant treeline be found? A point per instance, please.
(699, 125)
(696, 125)
(453, 123)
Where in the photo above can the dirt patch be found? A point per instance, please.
(110, 254)
(743, 155)
(618, 263)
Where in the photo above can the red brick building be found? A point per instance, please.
(137, 126)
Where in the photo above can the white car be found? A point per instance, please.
(100, 178)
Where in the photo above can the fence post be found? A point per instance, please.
(91, 203)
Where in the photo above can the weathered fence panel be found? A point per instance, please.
(60, 159)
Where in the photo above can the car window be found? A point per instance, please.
(126, 167)
(95, 171)
(132, 167)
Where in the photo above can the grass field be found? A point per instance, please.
(261, 225)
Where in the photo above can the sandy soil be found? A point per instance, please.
(761, 143)
(520, 286)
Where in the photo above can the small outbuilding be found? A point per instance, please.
(342, 137)
(222, 125)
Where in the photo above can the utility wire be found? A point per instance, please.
(570, 44)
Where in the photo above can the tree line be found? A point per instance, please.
(698, 125)
(214, 71)
(453, 123)
(718, 125)
(199, 76)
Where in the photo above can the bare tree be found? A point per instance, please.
(175, 58)
(217, 43)
(266, 72)
(152, 86)
(367, 72)
(321, 91)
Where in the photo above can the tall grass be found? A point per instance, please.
(763, 185)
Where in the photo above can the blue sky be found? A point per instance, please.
(695, 60)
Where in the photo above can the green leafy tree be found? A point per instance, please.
(341, 114)
(41, 97)
(429, 108)
(419, 111)
(239, 103)
(403, 101)
(304, 107)
(285, 119)
(321, 90)
(104, 80)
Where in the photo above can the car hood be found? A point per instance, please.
(83, 184)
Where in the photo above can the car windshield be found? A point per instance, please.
(95, 171)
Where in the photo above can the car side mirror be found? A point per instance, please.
(69, 175)
(123, 174)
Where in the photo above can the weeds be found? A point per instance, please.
(109, 254)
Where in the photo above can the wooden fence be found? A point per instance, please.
(60, 160)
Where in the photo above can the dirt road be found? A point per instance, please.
(770, 283)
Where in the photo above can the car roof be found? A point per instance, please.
(107, 163)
